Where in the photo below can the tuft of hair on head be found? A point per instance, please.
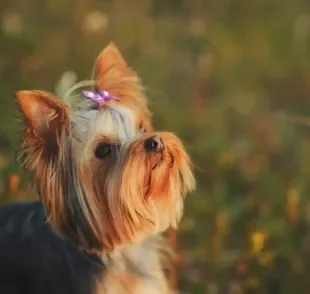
(46, 154)
(112, 74)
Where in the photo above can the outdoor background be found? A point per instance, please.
(232, 79)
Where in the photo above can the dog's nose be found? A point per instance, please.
(153, 144)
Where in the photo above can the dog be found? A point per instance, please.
(108, 186)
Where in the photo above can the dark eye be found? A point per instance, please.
(103, 150)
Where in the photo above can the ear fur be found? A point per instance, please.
(46, 117)
(112, 74)
(42, 150)
(110, 57)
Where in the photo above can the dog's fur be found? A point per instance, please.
(108, 185)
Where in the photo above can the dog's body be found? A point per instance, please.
(108, 186)
(35, 260)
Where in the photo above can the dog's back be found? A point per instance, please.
(34, 260)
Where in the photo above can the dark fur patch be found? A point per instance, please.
(34, 260)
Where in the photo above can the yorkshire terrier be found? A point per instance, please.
(108, 186)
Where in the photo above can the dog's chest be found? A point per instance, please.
(115, 282)
(134, 271)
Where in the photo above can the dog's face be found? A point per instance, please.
(104, 177)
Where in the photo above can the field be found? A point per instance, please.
(232, 79)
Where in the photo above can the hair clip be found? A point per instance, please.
(100, 97)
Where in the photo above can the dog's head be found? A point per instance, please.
(104, 177)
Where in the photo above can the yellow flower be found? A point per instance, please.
(258, 241)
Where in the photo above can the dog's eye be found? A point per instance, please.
(142, 128)
(103, 150)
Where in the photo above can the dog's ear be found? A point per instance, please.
(109, 58)
(46, 116)
(112, 74)
(45, 153)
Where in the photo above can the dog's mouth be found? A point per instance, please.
(158, 159)
(160, 165)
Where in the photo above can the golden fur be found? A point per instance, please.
(112, 205)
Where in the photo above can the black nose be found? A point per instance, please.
(153, 144)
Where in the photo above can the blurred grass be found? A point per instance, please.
(232, 78)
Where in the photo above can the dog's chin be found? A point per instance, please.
(156, 173)
(156, 160)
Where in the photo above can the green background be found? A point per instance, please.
(232, 79)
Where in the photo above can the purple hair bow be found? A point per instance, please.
(100, 97)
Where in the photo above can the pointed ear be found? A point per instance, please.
(110, 57)
(112, 73)
(45, 115)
